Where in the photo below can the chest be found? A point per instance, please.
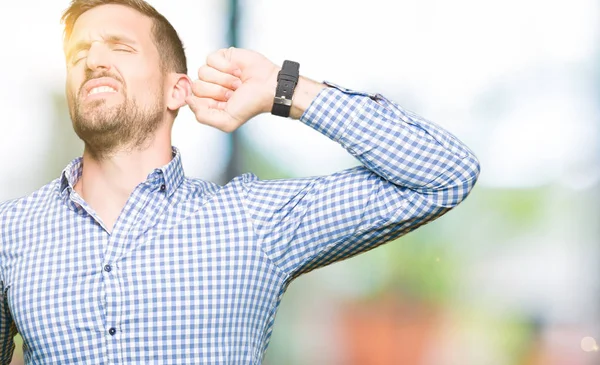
(195, 266)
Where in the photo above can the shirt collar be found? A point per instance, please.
(170, 175)
(71, 174)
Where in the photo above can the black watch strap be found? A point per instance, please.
(287, 79)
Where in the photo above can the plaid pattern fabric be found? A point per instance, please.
(193, 272)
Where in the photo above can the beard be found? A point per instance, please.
(106, 129)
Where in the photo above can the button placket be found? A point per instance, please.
(113, 296)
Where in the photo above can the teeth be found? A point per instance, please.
(102, 89)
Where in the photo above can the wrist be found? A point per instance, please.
(293, 93)
(306, 91)
(287, 80)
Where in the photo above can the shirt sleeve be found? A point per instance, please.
(8, 330)
(412, 172)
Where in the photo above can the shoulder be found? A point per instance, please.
(198, 186)
(19, 208)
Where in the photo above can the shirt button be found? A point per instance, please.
(107, 268)
(163, 187)
(112, 331)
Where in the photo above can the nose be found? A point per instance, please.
(98, 57)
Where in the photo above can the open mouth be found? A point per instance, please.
(100, 87)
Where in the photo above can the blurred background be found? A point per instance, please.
(510, 277)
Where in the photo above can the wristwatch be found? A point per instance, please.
(287, 79)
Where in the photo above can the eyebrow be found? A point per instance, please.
(111, 38)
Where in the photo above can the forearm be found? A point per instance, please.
(7, 331)
(399, 146)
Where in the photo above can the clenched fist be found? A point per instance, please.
(234, 86)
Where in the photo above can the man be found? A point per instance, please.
(124, 260)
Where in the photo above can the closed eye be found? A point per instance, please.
(79, 57)
(122, 48)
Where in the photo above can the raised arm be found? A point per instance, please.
(413, 170)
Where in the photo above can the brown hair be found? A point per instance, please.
(166, 39)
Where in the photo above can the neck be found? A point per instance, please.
(107, 183)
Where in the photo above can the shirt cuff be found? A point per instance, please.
(334, 108)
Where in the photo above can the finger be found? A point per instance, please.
(214, 117)
(212, 75)
(221, 60)
(203, 89)
(195, 102)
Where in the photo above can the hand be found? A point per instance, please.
(235, 85)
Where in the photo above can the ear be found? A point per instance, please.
(182, 87)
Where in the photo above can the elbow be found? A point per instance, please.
(473, 169)
(467, 174)
(455, 184)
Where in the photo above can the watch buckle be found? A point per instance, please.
(283, 101)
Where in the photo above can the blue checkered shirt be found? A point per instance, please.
(193, 272)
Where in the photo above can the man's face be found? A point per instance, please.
(114, 79)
